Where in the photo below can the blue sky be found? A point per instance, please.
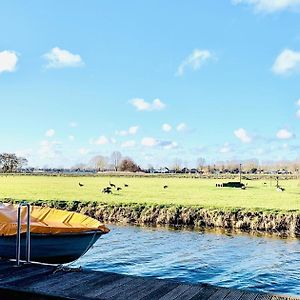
(155, 80)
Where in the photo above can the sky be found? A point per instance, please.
(155, 80)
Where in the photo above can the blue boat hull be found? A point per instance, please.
(55, 249)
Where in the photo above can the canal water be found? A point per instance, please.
(230, 260)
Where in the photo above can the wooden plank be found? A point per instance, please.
(263, 297)
(64, 283)
(124, 289)
(189, 293)
(23, 274)
(234, 295)
(249, 296)
(29, 280)
(138, 284)
(151, 286)
(205, 292)
(115, 288)
(81, 279)
(114, 284)
(49, 281)
(175, 292)
(220, 294)
(92, 286)
(161, 291)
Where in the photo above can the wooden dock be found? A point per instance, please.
(36, 281)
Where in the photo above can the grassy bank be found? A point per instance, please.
(186, 202)
(184, 192)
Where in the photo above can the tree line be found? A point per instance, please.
(10, 163)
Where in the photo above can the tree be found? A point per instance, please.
(127, 164)
(99, 162)
(116, 157)
(9, 162)
(200, 164)
(177, 165)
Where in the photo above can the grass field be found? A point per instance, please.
(181, 191)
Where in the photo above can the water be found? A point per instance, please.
(238, 261)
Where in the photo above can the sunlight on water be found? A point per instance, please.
(238, 261)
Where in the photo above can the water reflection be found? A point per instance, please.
(231, 260)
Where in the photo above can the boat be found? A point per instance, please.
(56, 236)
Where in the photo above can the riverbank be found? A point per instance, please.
(272, 222)
(192, 202)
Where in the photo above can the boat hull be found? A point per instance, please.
(53, 249)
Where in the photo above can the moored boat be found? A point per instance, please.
(57, 236)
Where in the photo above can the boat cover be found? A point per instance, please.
(45, 220)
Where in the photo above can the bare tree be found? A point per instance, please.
(177, 165)
(9, 162)
(116, 157)
(200, 164)
(99, 162)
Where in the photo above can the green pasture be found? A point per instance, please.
(180, 191)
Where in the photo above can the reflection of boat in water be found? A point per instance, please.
(57, 236)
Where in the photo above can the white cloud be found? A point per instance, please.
(149, 142)
(270, 6)
(59, 58)
(152, 142)
(122, 132)
(128, 144)
(225, 148)
(102, 140)
(166, 127)
(284, 134)
(169, 145)
(50, 133)
(298, 102)
(71, 138)
(83, 151)
(131, 131)
(73, 124)
(243, 135)
(49, 149)
(24, 153)
(141, 105)
(181, 127)
(287, 62)
(194, 61)
(8, 61)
